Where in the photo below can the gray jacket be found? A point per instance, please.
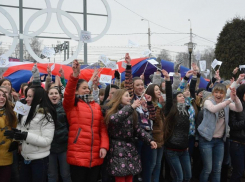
(207, 127)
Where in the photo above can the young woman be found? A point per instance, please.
(23, 88)
(135, 87)
(213, 130)
(237, 138)
(60, 141)
(35, 131)
(13, 96)
(88, 140)
(176, 133)
(121, 119)
(8, 120)
(155, 94)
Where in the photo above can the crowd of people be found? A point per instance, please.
(167, 130)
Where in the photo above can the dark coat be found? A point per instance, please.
(180, 134)
(237, 125)
(60, 140)
(123, 158)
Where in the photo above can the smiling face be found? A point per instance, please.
(187, 93)
(157, 92)
(7, 84)
(29, 98)
(180, 98)
(138, 87)
(83, 89)
(3, 99)
(54, 96)
(126, 99)
(219, 95)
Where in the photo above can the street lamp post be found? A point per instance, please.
(190, 45)
(149, 34)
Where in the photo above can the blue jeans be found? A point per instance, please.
(146, 154)
(237, 152)
(63, 166)
(35, 171)
(212, 153)
(179, 162)
(156, 163)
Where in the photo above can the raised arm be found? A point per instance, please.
(128, 76)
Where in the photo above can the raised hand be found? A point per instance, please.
(142, 77)
(165, 74)
(233, 93)
(240, 78)
(57, 80)
(148, 98)
(189, 73)
(49, 70)
(127, 59)
(136, 104)
(235, 70)
(76, 68)
(61, 72)
(176, 65)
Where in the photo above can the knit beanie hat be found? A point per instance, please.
(36, 76)
(175, 93)
(200, 90)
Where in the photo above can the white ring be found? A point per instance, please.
(14, 34)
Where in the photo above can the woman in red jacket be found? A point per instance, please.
(88, 140)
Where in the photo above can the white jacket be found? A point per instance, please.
(40, 135)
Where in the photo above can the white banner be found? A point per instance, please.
(124, 65)
(112, 64)
(171, 74)
(103, 59)
(105, 78)
(48, 52)
(132, 44)
(4, 60)
(215, 63)
(202, 65)
(241, 66)
(22, 108)
(146, 53)
(198, 56)
(85, 36)
(206, 73)
(152, 61)
(52, 67)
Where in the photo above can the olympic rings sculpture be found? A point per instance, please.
(49, 10)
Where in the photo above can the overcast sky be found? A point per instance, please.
(165, 16)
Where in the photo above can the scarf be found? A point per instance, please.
(86, 98)
(182, 108)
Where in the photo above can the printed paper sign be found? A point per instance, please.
(132, 44)
(103, 59)
(105, 78)
(202, 65)
(152, 61)
(85, 36)
(241, 66)
(22, 108)
(171, 74)
(215, 63)
(198, 56)
(146, 53)
(124, 65)
(48, 52)
(4, 60)
(207, 72)
(52, 67)
(112, 64)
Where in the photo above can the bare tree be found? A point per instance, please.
(185, 57)
(35, 44)
(165, 55)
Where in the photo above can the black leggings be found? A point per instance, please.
(79, 173)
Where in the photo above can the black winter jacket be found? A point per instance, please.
(60, 140)
(237, 125)
(179, 138)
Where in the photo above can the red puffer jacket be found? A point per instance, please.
(87, 130)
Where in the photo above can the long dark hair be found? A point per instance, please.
(107, 92)
(240, 93)
(151, 91)
(40, 97)
(11, 118)
(170, 121)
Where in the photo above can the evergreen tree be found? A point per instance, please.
(230, 47)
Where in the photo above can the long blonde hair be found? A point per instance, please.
(113, 105)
